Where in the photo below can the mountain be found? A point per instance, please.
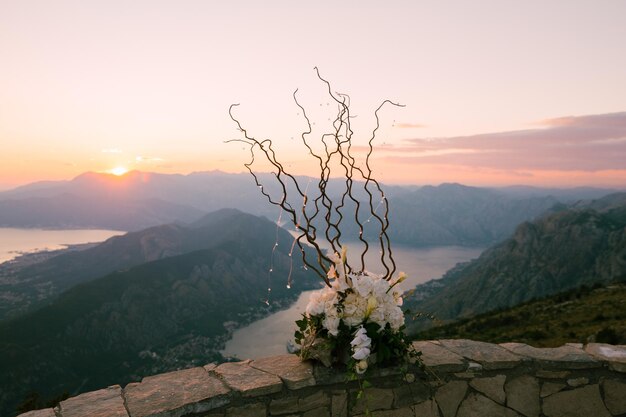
(581, 315)
(22, 288)
(563, 250)
(454, 214)
(565, 195)
(448, 214)
(167, 314)
(68, 211)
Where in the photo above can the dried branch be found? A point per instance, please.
(336, 149)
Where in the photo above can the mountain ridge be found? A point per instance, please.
(161, 315)
(559, 251)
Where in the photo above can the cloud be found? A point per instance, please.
(583, 143)
(409, 125)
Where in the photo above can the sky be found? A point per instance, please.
(494, 92)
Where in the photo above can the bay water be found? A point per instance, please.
(16, 241)
(269, 336)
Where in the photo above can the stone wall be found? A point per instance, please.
(463, 378)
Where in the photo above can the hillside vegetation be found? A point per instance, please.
(576, 316)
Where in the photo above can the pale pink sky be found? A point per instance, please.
(496, 92)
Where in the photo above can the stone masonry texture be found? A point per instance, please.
(461, 378)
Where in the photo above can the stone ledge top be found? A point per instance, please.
(175, 393)
(615, 355)
(439, 358)
(567, 356)
(107, 402)
(490, 356)
(251, 382)
(295, 373)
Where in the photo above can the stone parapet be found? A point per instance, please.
(462, 378)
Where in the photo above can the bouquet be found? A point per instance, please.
(357, 320)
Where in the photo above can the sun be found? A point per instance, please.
(119, 171)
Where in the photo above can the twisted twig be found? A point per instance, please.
(336, 145)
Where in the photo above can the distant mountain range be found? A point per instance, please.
(449, 214)
(194, 284)
(582, 245)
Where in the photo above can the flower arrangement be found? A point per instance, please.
(357, 320)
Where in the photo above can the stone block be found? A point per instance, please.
(522, 395)
(565, 357)
(549, 388)
(426, 409)
(490, 356)
(476, 405)
(339, 404)
(295, 373)
(615, 395)
(287, 405)
(423, 409)
(107, 402)
(48, 412)
(449, 397)
(580, 402)
(492, 387)
(317, 412)
(251, 382)
(614, 355)
(316, 400)
(577, 382)
(373, 399)
(438, 358)
(249, 410)
(409, 394)
(176, 393)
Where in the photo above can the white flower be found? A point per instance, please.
(354, 308)
(395, 318)
(361, 344)
(361, 339)
(361, 366)
(363, 285)
(316, 304)
(380, 287)
(372, 303)
(361, 353)
(331, 323)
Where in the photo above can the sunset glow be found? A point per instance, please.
(119, 171)
(487, 99)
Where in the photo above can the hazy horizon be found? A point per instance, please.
(118, 177)
(495, 93)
